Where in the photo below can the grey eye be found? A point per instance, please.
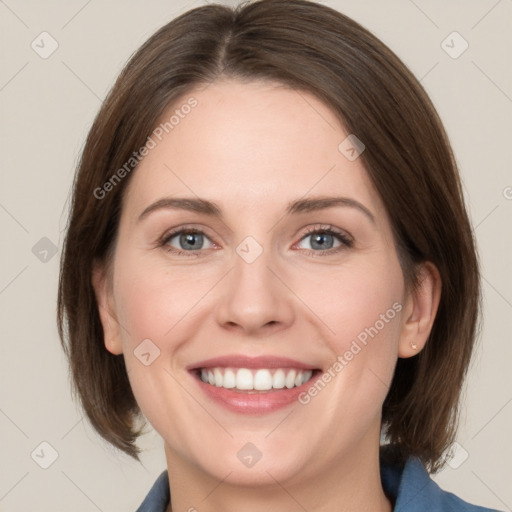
(187, 240)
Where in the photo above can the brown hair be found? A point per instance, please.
(309, 47)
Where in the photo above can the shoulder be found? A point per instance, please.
(413, 490)
(158, 497)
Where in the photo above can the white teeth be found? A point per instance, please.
(290, 379)
(278, 379)
(229, 379)
(244, 379)
(260, 380)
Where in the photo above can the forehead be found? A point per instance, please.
(256, 144)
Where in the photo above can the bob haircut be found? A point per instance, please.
(307, 47)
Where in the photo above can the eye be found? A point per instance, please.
(323, 241)
(326, 240)
(185, 242)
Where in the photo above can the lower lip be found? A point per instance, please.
(259, 402)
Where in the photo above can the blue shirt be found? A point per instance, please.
(409, 487)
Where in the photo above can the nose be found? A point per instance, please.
(255, 299)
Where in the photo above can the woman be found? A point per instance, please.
(269, 259)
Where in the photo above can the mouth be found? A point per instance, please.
(256, 385)
(247, 380)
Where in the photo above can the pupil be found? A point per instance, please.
(318, 240)
(320, 245)
(188, 238)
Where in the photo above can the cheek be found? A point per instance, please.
(363, 311)
(153, 301)
(156, 309)
(151, 307)
(361, 302)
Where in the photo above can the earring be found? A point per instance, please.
(413, 345)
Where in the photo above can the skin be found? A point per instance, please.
(252, 148)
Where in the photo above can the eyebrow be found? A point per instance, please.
(294, 207)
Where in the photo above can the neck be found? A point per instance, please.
(353, 485)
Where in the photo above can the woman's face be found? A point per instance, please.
(273, 280)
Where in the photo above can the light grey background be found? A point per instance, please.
(47, 106)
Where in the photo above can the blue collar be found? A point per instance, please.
(408, 487)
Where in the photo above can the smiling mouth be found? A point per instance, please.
(245, 380)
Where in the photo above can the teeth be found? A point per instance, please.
(217, 377)
(229, 379)
(290, 379)
(262, 380)
(259, 380)
(278, 379)
(244, 379)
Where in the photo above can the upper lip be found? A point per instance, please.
(243, 361)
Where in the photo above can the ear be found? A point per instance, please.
(420, 311)
(104, 298)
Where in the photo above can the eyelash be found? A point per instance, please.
(346, 241)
